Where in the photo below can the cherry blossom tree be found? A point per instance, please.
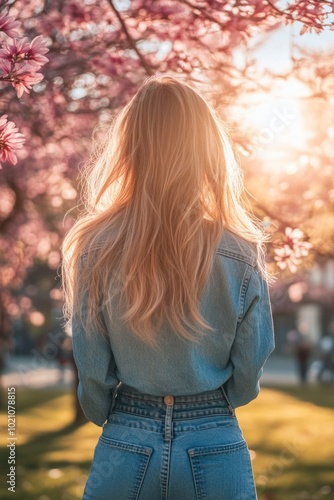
(19, 62)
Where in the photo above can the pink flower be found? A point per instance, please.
(10, 140)
(291, 251)
(285, 258)
(8, 25)
(24, 78)
(5, 68)
(301, 249)
(35, 54)
(15, 53)
(293, 234)
(21, 51)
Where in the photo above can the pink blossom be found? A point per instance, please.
(37, 49)
(294, 234)
(8, 25)
(5, 68)
(294, 239)
(24, 78)
(15, 53)
(10, 140)
(21, 51)
(285, 258)
(290, 251)
(302, 248)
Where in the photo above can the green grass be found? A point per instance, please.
(289, 431)
(291, 434)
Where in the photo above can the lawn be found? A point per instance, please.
(289, 430)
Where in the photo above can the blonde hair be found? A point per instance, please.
(158, 193)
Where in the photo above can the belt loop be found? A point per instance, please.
(230, 407)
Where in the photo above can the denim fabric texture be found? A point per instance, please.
(235, 302)
(171, 448)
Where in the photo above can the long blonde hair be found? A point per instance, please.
(158, 193)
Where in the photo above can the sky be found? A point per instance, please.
(275, 51)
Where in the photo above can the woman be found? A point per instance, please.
(166, 288)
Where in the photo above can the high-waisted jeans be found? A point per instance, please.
(170, 448)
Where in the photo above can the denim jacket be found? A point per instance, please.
(235, 302)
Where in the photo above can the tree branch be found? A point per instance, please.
(203, 12)
(294, 19)
(131, 41)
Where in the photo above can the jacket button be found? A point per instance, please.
(168, 400)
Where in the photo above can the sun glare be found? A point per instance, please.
(276, 119)
(292, 88)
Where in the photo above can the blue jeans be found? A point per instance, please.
(170, 448)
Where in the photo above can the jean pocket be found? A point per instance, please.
(118, 470)
(223, 472)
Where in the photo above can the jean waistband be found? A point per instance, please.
(123, 391)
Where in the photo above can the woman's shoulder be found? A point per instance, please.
(235, 247)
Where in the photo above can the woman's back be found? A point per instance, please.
(233, 352)
(170, 315)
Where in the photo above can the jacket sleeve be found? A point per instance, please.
(97, 372)
(253, 343)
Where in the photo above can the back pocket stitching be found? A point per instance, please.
(140, 450)
(195, 455)
(126, 446)
(226, 448)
